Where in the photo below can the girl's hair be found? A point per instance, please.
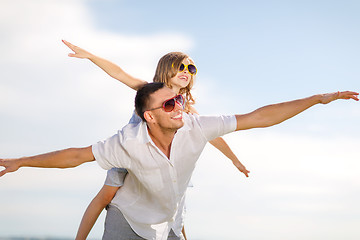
(167, 68)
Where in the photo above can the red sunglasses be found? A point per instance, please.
(169, 104)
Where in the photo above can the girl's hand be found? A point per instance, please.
(78, 52)
(241, 168)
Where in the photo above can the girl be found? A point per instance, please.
(177, 71)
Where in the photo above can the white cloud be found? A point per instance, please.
(50, 101)
(296, 185)
(42, 85)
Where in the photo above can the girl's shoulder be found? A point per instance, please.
(134, 118)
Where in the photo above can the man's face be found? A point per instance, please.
(166, 120)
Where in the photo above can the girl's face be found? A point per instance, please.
(181, 79)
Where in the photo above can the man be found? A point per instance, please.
(161, 152)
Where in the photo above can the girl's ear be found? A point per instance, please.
(148, 116)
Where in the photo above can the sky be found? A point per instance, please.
(304, 181)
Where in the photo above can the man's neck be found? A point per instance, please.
(162, 139)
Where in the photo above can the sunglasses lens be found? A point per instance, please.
(179, 99)
(169, 105)
(182, 67)
(192, 69)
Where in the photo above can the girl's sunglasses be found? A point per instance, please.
(169, 104)
(191, 68)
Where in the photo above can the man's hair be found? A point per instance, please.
(143, 96)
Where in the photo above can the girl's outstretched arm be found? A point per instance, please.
(110, 68)
(223, 147)
(102, 199)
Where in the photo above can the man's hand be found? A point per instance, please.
(66, 158)
(241, 168)
(78, 52)
(10, 165)
(329, 97)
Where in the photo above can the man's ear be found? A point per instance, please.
(148, 116)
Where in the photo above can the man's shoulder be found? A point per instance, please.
(194, 121)
(194, 117)
(189, 120)
(133, 131)
(210, 122)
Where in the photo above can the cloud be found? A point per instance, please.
(294, 180)
(41, 84)
(49, 101)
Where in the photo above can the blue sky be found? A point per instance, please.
(304, 173)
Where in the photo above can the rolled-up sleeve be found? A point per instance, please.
(109, 153)
(213, 127)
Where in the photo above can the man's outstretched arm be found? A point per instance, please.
(276, 113)
(66, 158)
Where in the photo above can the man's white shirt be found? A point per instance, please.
(154, 189)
